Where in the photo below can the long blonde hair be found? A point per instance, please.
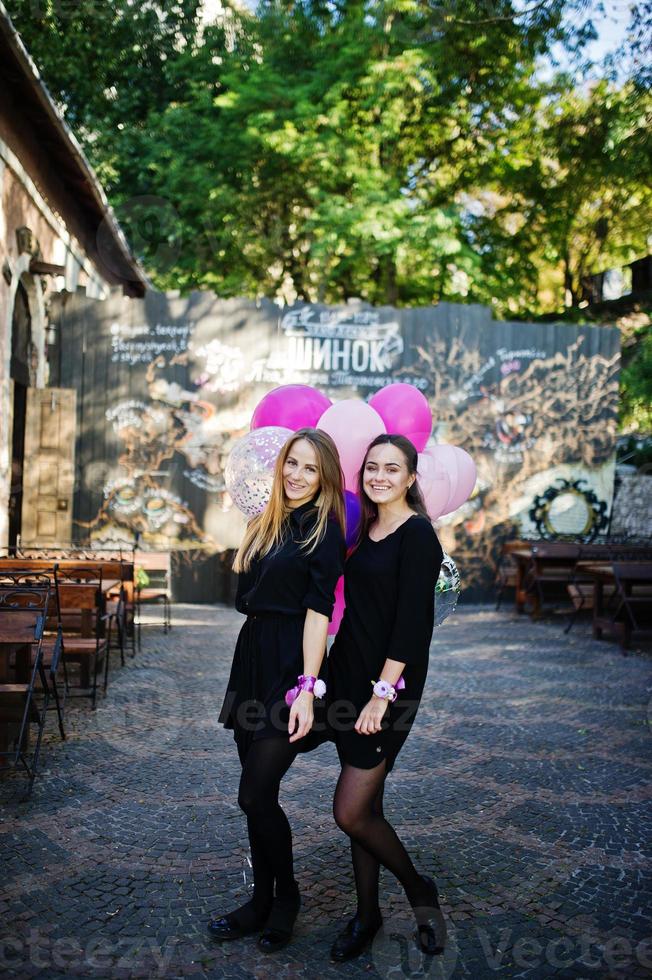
(266, 530)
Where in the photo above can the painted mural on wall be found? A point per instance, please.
(167, 385)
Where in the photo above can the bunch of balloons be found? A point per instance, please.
(446, 473)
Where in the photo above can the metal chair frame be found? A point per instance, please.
(25, 596)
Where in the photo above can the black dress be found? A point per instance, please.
(389, 587)
(274, 595)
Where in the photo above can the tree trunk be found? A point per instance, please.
(389, 280)
(569, 291)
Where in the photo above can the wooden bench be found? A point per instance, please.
(626, 611)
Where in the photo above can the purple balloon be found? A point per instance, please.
(353, 515)
(405, 411)
(292, 407)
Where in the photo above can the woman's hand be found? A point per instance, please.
(371, 716)
(301, 715)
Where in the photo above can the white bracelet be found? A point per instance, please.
(384, 690)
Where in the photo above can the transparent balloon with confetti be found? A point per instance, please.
(250, 468)
(447, 590)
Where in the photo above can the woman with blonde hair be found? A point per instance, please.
(288, 565)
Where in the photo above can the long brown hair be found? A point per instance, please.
(413, 497)
(266, 530)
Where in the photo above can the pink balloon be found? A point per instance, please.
(406, 411)
(338, 609)
(352, 424)
(461, 470)
(466, 477)
(435, 485)
(292, 406)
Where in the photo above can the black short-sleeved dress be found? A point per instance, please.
(274, 595)
(389, 587)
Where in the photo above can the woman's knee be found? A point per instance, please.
(349, 817)
(253, 801)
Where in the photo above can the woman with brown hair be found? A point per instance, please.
(379, 662)
(288, 565)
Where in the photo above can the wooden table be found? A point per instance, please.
(603, 575)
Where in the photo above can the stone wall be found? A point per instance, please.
(632, 509)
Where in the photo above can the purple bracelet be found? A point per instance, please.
(305, 683)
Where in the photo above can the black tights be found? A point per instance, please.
(358, 810)
(264, 763)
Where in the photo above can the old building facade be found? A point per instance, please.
(57, 233)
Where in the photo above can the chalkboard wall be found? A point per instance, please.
(166, 385)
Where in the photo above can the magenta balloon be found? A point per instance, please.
(338, 609)
(292, 406)
(353, 513)
(406, 411)
(352, 424)
(435, 485)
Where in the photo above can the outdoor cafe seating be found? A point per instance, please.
(25, 693)
(80, 607)
(610, 579)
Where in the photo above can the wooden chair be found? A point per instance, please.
(23, 613)
(633, 613)
(580, 584)
(120, 603)
(549, 571)
(52, 641)
(85, 626)
(156, 566)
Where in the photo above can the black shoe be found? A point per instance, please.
(431, 925)
(277, 932)
(235, 925)
(353, 940)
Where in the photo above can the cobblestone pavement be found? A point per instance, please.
(524, 788)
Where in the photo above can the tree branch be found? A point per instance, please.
(496, 20)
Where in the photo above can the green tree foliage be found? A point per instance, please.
(109, 65)
(571, 198)
(636, 378)
(404, 151)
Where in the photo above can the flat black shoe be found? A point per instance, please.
(234, 925)
(277, 932)
(431, 925)
(353, 940)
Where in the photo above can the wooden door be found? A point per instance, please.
(49, 469)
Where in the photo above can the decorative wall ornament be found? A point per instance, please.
(569, 511)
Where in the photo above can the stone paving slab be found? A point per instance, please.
(524, 789)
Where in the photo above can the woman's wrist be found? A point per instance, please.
(306, 684)
(385, 691)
